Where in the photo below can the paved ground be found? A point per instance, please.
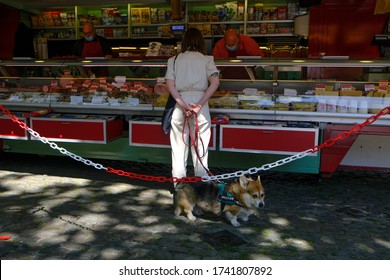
(56, 208)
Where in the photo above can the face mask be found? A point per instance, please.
(89, 39)
(233, 48)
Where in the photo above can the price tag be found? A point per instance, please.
(320, 87)
(290, 92)
(382, 89)
(75, 99)
(14, 98)
(369, 87)
(114, 102)
(160, 80)
(97, 100)
(346, 87)
(133, 101)
(120, 79)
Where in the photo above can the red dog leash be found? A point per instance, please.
(194, 140)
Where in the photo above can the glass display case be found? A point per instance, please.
(287, 115)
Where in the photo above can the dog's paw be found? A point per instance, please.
(177, 212)
(191, 218)
(235, 223)
(245, 219)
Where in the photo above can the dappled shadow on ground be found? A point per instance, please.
(56, 208)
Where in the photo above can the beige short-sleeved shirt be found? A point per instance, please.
(191, 71)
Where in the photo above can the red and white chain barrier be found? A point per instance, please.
(329, 142)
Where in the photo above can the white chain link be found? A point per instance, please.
(63, 151)
(225, 176)
(255, 170)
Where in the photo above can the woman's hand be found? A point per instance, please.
(186, 108)
(195, 107)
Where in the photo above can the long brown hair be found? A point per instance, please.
(193, 41)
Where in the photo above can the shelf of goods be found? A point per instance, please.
(269, 119)
(154, 20)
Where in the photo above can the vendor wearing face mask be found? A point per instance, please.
(92, 45)
(233, 45)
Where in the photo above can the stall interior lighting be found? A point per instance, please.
(299, 60)
(128, 48)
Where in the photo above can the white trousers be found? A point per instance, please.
(179, 148)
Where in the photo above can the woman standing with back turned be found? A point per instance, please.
(192, 78)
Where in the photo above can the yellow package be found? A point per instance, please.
(382, 7)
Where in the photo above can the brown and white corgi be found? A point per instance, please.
(238, 199)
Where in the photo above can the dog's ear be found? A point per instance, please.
(258, 178)
(243, 182)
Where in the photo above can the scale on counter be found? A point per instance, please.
(178, 30)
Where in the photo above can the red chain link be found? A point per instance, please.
(5, 237)
(14, 118)
(329, 142)
(160, 179)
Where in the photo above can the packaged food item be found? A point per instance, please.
(145, 15)
(135, 15)
(231, 10)
(207, 29)
(251, 13)
(220, 119)
(270, 13)
(342, 106)
(66, 79)
(271, 28)
(190, 16)
(161, 15)
(154, 15)
(352, 106)
(38, 113)
(331, 106)
(259, 11)
(321, 105)
(282, 13)
(263, 28)
(291, 10)
(363, 107)
(240, 11)
(203, 16)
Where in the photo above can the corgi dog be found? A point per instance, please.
(238, 199)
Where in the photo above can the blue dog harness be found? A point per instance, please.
(226, 198)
